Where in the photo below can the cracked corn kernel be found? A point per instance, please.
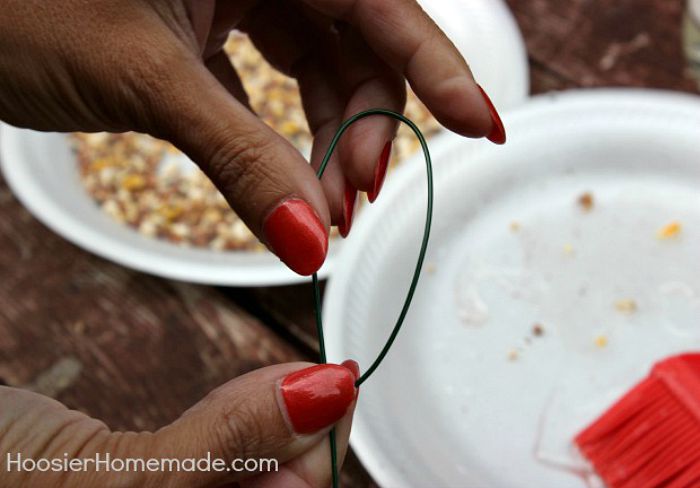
(148, 228)
(170, 212)
(670, 230)
(133, 182)
(100, 164)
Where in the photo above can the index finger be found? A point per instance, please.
(407, 39)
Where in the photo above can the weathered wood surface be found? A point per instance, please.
(590, 43)
(136, 350)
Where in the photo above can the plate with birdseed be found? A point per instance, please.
(561, 266)
(140, 202)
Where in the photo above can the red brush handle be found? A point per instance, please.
(681, 374)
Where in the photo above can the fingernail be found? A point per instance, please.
(349, 199)
(295, 233)
(380, 172)
(498, 132)
(352, 365)
(318, 396)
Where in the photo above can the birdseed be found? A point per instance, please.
(141, 182)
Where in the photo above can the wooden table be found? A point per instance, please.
(136, 351)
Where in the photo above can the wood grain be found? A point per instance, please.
(593, 43)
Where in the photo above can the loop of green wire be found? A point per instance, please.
(416, 273)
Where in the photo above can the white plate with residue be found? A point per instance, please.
(42, 171)
(470, 396)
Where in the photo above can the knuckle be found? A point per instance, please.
(239, 431)
(238, 167)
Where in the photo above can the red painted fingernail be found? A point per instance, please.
(349, 200)
(295, 233)
(498, 132)
(318, 396)
(380, 172)
(352, 366)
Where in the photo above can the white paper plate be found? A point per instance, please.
(42, 172)
(448, 407)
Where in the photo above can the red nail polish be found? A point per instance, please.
(349, 200)
(498, 132)
(318, 396)
(353, 367)
(295, 233)
(380, 172)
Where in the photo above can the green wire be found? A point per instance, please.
(416, 272)
(322, 355)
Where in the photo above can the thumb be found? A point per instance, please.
(263, 177)
(278, 412)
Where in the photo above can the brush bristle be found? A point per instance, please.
(647, 439)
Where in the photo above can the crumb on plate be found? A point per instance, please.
(513, 354)
(626, 305)
(585, 201)
(537, 330)
(601, 341)
(568, 248)
(670, 230)
(514, 226)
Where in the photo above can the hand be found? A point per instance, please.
(157, 66)
(281, 412)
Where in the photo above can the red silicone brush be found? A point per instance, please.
(651, 437)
